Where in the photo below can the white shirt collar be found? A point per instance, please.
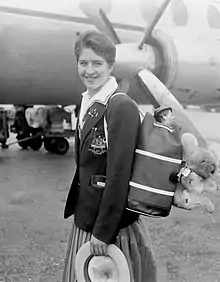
(104, 93)
(102, 96)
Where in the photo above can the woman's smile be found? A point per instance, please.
(93, 69)
(90, 79)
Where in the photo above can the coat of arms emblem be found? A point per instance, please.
(98, 145)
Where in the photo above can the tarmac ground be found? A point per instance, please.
(34, 235)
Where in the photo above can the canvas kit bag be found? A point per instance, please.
(158, 154)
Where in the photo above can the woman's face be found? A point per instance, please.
(93, 69)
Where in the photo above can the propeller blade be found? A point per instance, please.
(97, 14)
(152, 24)
(108, 24)
(161, 96)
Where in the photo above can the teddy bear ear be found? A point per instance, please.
(189, 142)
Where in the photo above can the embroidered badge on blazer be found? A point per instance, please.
(93, 112)
(98, 145)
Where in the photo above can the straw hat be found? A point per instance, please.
(113, 268)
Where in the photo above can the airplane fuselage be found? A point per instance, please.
(37, 65)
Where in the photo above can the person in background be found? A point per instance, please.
(98, 194)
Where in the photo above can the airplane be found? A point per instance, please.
(180, 46)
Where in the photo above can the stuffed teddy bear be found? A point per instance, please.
(197, 176)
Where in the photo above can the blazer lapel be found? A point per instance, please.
(77, 141)
(94, 114)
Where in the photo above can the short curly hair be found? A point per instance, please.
(100, 43)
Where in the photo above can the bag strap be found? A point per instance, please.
(106, 131)
(142, 115)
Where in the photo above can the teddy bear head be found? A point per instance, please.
(197, 176)
(195, 183)
(200, 160)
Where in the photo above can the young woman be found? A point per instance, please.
(99, 189)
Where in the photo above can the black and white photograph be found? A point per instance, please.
(109, 141)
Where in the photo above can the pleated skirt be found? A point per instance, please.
(135, 243)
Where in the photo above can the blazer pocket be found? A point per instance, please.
(98, 181)
(93, 198)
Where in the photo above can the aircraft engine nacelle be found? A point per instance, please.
(190, 68)
(159, 55)
(166, 57)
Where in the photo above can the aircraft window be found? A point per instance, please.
(179, 12)
(213, 16)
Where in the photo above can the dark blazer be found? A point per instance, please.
(102, 210)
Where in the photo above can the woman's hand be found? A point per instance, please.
(97, 247)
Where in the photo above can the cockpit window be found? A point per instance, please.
(179, 12)
(213, 16)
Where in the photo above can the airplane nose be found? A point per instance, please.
(130, 60)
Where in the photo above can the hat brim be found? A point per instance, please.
(162, 109)
(84, 256)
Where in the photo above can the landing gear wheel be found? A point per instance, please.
(50, 144)
(24, 144)
(56, 145)
(36, 143)
(62, 146)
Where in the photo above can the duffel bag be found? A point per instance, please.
(157, 156)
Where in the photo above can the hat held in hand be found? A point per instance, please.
(113, 268)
